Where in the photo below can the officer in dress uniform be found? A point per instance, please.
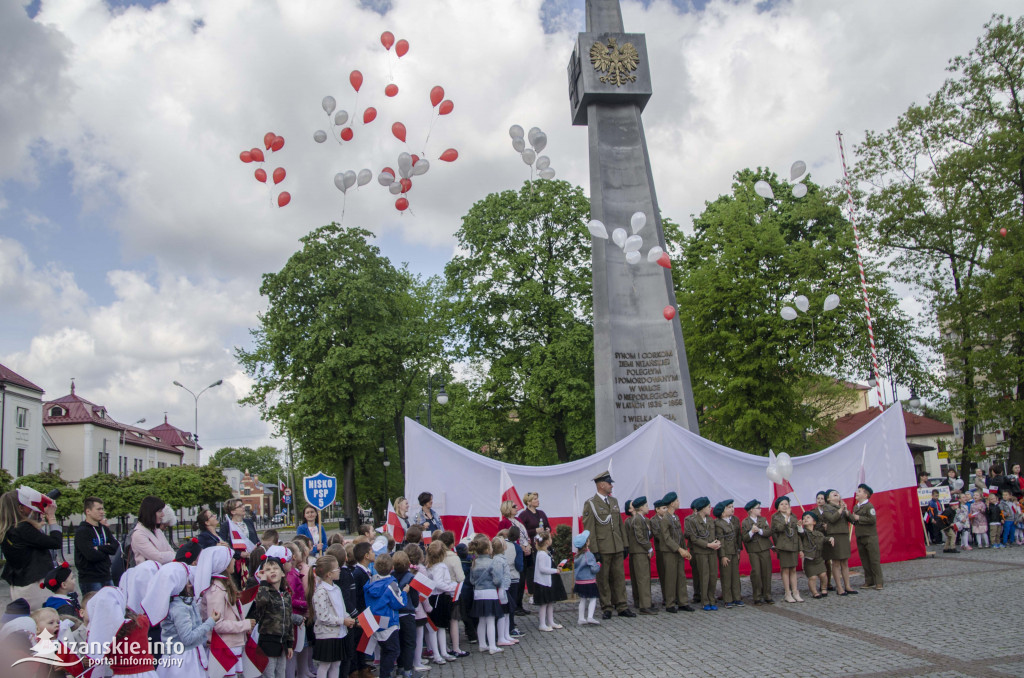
(673, 556)
(727, 531)
(754, 531)
(602, 517)
(659, 556)
(866, 529)
(700, 533)
(638, 541)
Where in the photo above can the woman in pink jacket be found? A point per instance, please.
(148, 541)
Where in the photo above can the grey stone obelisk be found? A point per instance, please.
(640, 368)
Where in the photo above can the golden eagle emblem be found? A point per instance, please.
(616, 61)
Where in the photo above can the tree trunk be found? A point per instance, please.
(351, 503)
(561, 445)
(399, 423)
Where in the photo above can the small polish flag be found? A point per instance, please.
(433, 626)
(422, 583)
(222, 659)
(254, 661)
(367, 644)
(237, 542)
(394, 525)
(467, 526)
(368, 622)
(508, 491)
(281, 486)
(458, 592)
(562, 563)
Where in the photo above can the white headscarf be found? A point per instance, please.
(134, 582)
(170, 581)
(213, 560)
(106, 615)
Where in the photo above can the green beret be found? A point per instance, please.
(669, 498)
(717, 511)
(699, 503)
(866, 488)
(822, 493)
(751, 504)
(639, 501)
(628, 505)
(812, 514)
(828, 492)
(779, 501)
(658, 503)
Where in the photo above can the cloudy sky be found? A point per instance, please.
(132, 238)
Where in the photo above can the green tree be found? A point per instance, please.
(759, 380)
(6, 481)
(331, 344)
(119, 499)
(944, 181)
(520, 292)
(264, 461)
(68, 503)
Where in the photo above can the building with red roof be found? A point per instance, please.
(927, 439)
(25, 447)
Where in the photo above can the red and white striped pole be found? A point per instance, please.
(860, 265)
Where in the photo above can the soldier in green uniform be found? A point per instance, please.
(727, 532)
(865, 527)
(700, 533)
(602, 517)
(837, 524)
(659, 556)
(754, 531)
(638, 541)
(673, 556)
(627, 525)
(821, 499)
(786, 539)
(812, 544)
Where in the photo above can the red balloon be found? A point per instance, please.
(406, 185)
(669, 312)
(356, 78)
(451, 155)
(389, 171)
(398, 129)
(402, 48)
(369, 115)
(268, 139)
(1002, 231)
(401, 204)
(387, 38)
(261, 175)
(257, 155)
(347, 134)
(283, 199)
(245, 156)
(446, 107)
(391, 90)
(664, 260)
(278, 175)
(415, 159)
(436, 94)
(278, 144)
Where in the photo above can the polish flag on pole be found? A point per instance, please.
(393, 526)
(368, 622)
(458, 592)
(222, 659)
(423, 584)
(467, 527)
(862, 476)
(254, 661)
(508, 491)
(281, 486)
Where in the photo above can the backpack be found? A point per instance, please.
(123, 559)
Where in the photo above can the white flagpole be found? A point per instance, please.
(575, 514)
(465, 525)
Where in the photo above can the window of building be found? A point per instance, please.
(246, 491)
(21, 461)
(161, 464)
(103, 463)
(22, 417)
(49, 467)
(56, 411)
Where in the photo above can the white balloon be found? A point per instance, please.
(764, 189)
(340, 118)
(619, 236)
(547, 173)
(799, 191)
(350, 179)
(773, 474)
(385, 178)
(632, 244)
(831, 301)
(532, 134)
(597, 229)
(364, 177)
(654, 254)
(539, 142)
(797, 170)
(543, 161)
(404, 165)
(633, 258)
(328, 103)
(784, 464)
(638, 221)
(515, 131)
(788, 312)
(319, 136)
(518, 144)
(529, 156)
(802, 303)
(421, 167)
(339, 181)
(395, 188)
(958, 484)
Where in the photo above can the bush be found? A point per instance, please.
(561, 546)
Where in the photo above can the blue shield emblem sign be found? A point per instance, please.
(320, 490)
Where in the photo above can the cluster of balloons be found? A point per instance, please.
(341, 118)
(780, 468)
(631, 244)
(538, 142)
(272, 143)
(803, 304)
(797, 172)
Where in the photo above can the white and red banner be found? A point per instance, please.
(393, 525)
(508, 492)
(661, 457)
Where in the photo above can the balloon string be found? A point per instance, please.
(430, 130)
(344, 205)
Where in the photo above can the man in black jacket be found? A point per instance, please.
(94, 545)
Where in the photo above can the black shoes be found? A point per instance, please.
(687, 608)
(607, 614)
(627, 613)
(673, 609)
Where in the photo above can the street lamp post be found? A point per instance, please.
(195, 431)
(442, 399)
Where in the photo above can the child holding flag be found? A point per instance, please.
(386, 600)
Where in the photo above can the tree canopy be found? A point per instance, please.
(264, 461)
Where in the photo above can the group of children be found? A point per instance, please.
(975, 519)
